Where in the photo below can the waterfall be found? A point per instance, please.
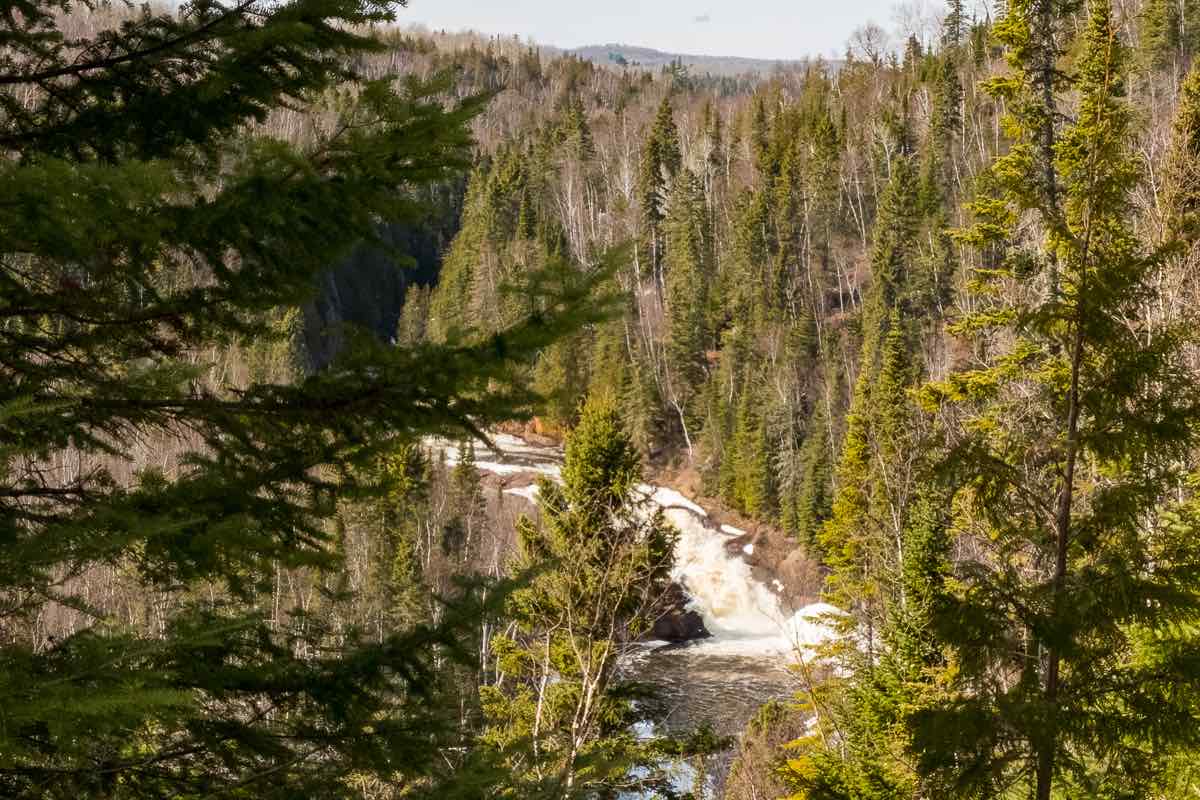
(745, 616)
(721, 680)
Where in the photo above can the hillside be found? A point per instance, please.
(649, 58)
(909, 342)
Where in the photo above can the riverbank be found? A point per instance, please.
(755, 591)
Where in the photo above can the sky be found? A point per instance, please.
(781, 29)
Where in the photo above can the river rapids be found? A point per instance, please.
(722, 680)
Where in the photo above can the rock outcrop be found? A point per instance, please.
(675, 621)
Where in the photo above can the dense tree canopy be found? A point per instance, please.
(926, 313)
(155, 224)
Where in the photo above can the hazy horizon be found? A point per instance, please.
(766, 29)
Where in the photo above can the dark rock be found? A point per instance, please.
(679, 626)
(675, 622)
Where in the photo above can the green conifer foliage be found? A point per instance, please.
(1182, 195)
(1068, 444)
(1170, 34)
(149, 225)
(599, 557)
(862, 539)
(944, 123)
(894, 250)
(753, 490)
(865, 516)
(660, 162)
(575, 131)
(953, 25)
(688, 267)
(404, 475)
(812, 501)
(760, 137)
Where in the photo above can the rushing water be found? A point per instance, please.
(720, 681)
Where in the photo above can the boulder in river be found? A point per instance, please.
(675, 621)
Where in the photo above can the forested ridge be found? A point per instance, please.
(271, 273)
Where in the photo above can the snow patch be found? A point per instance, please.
(529, 492)
(670, 499)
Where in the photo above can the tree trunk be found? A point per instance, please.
(1048, 746)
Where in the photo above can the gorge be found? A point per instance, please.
(750, 642)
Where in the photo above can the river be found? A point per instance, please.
(722, 680)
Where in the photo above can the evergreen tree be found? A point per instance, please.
(152, 223)
(894, 249)
(753, 490)
(812, 501)
(661, 160)
(1069, 444)
(688, 267)
(715, 143)
(953, 25)
(404, 475)
(1182, 180)
(944, 123)
(461, 532)
(861, 540)
(452, 300)
(760, 137)
(575, 131)
(856, 538)
(1169, 33)
(913, 53)
(599, 559)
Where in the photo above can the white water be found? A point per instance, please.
(744, 615)
(721, 680)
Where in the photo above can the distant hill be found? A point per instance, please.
(622, 54)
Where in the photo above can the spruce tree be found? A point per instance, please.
(152, 224)
(751, 485)
(1069, 444)
(599, 558)
(760, 138)
(688, 268)
(660, 161)
(1182, 179)
(812, 501)
(953, 23)
(1160, 33)
(857, 537)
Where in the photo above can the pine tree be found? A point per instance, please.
(1068, 444)
(600, 558)
(152, 223)
(688, 268)
(660, 162)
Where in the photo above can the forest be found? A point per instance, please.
(907, 340)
